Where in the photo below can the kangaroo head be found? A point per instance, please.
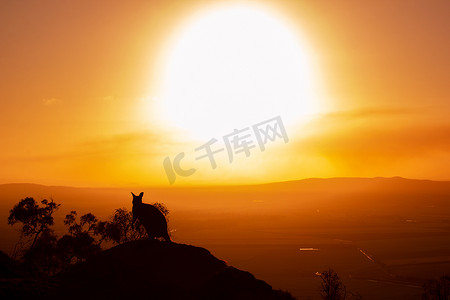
(137, 199)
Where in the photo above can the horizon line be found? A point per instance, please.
(215, 185)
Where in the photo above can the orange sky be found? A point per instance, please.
(78, 77)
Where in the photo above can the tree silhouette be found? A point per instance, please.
(40, 260)
(43, 254)
(437, 289)
(37, 258)
(162, 208)
(119, 228)
(331, 287)
(79, 244)
(35, 219)
(88, 222)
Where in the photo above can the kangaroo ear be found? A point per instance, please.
(141, 194)
(133, 194)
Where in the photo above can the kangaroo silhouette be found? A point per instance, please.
(150, 217)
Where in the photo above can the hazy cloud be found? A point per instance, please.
(373, 112)
(108, 98)
(50, 101)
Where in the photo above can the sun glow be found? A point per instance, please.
(234, 66)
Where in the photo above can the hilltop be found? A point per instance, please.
(149, 269)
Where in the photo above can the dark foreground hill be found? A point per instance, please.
(148, 269)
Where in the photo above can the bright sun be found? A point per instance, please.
(234, 66)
